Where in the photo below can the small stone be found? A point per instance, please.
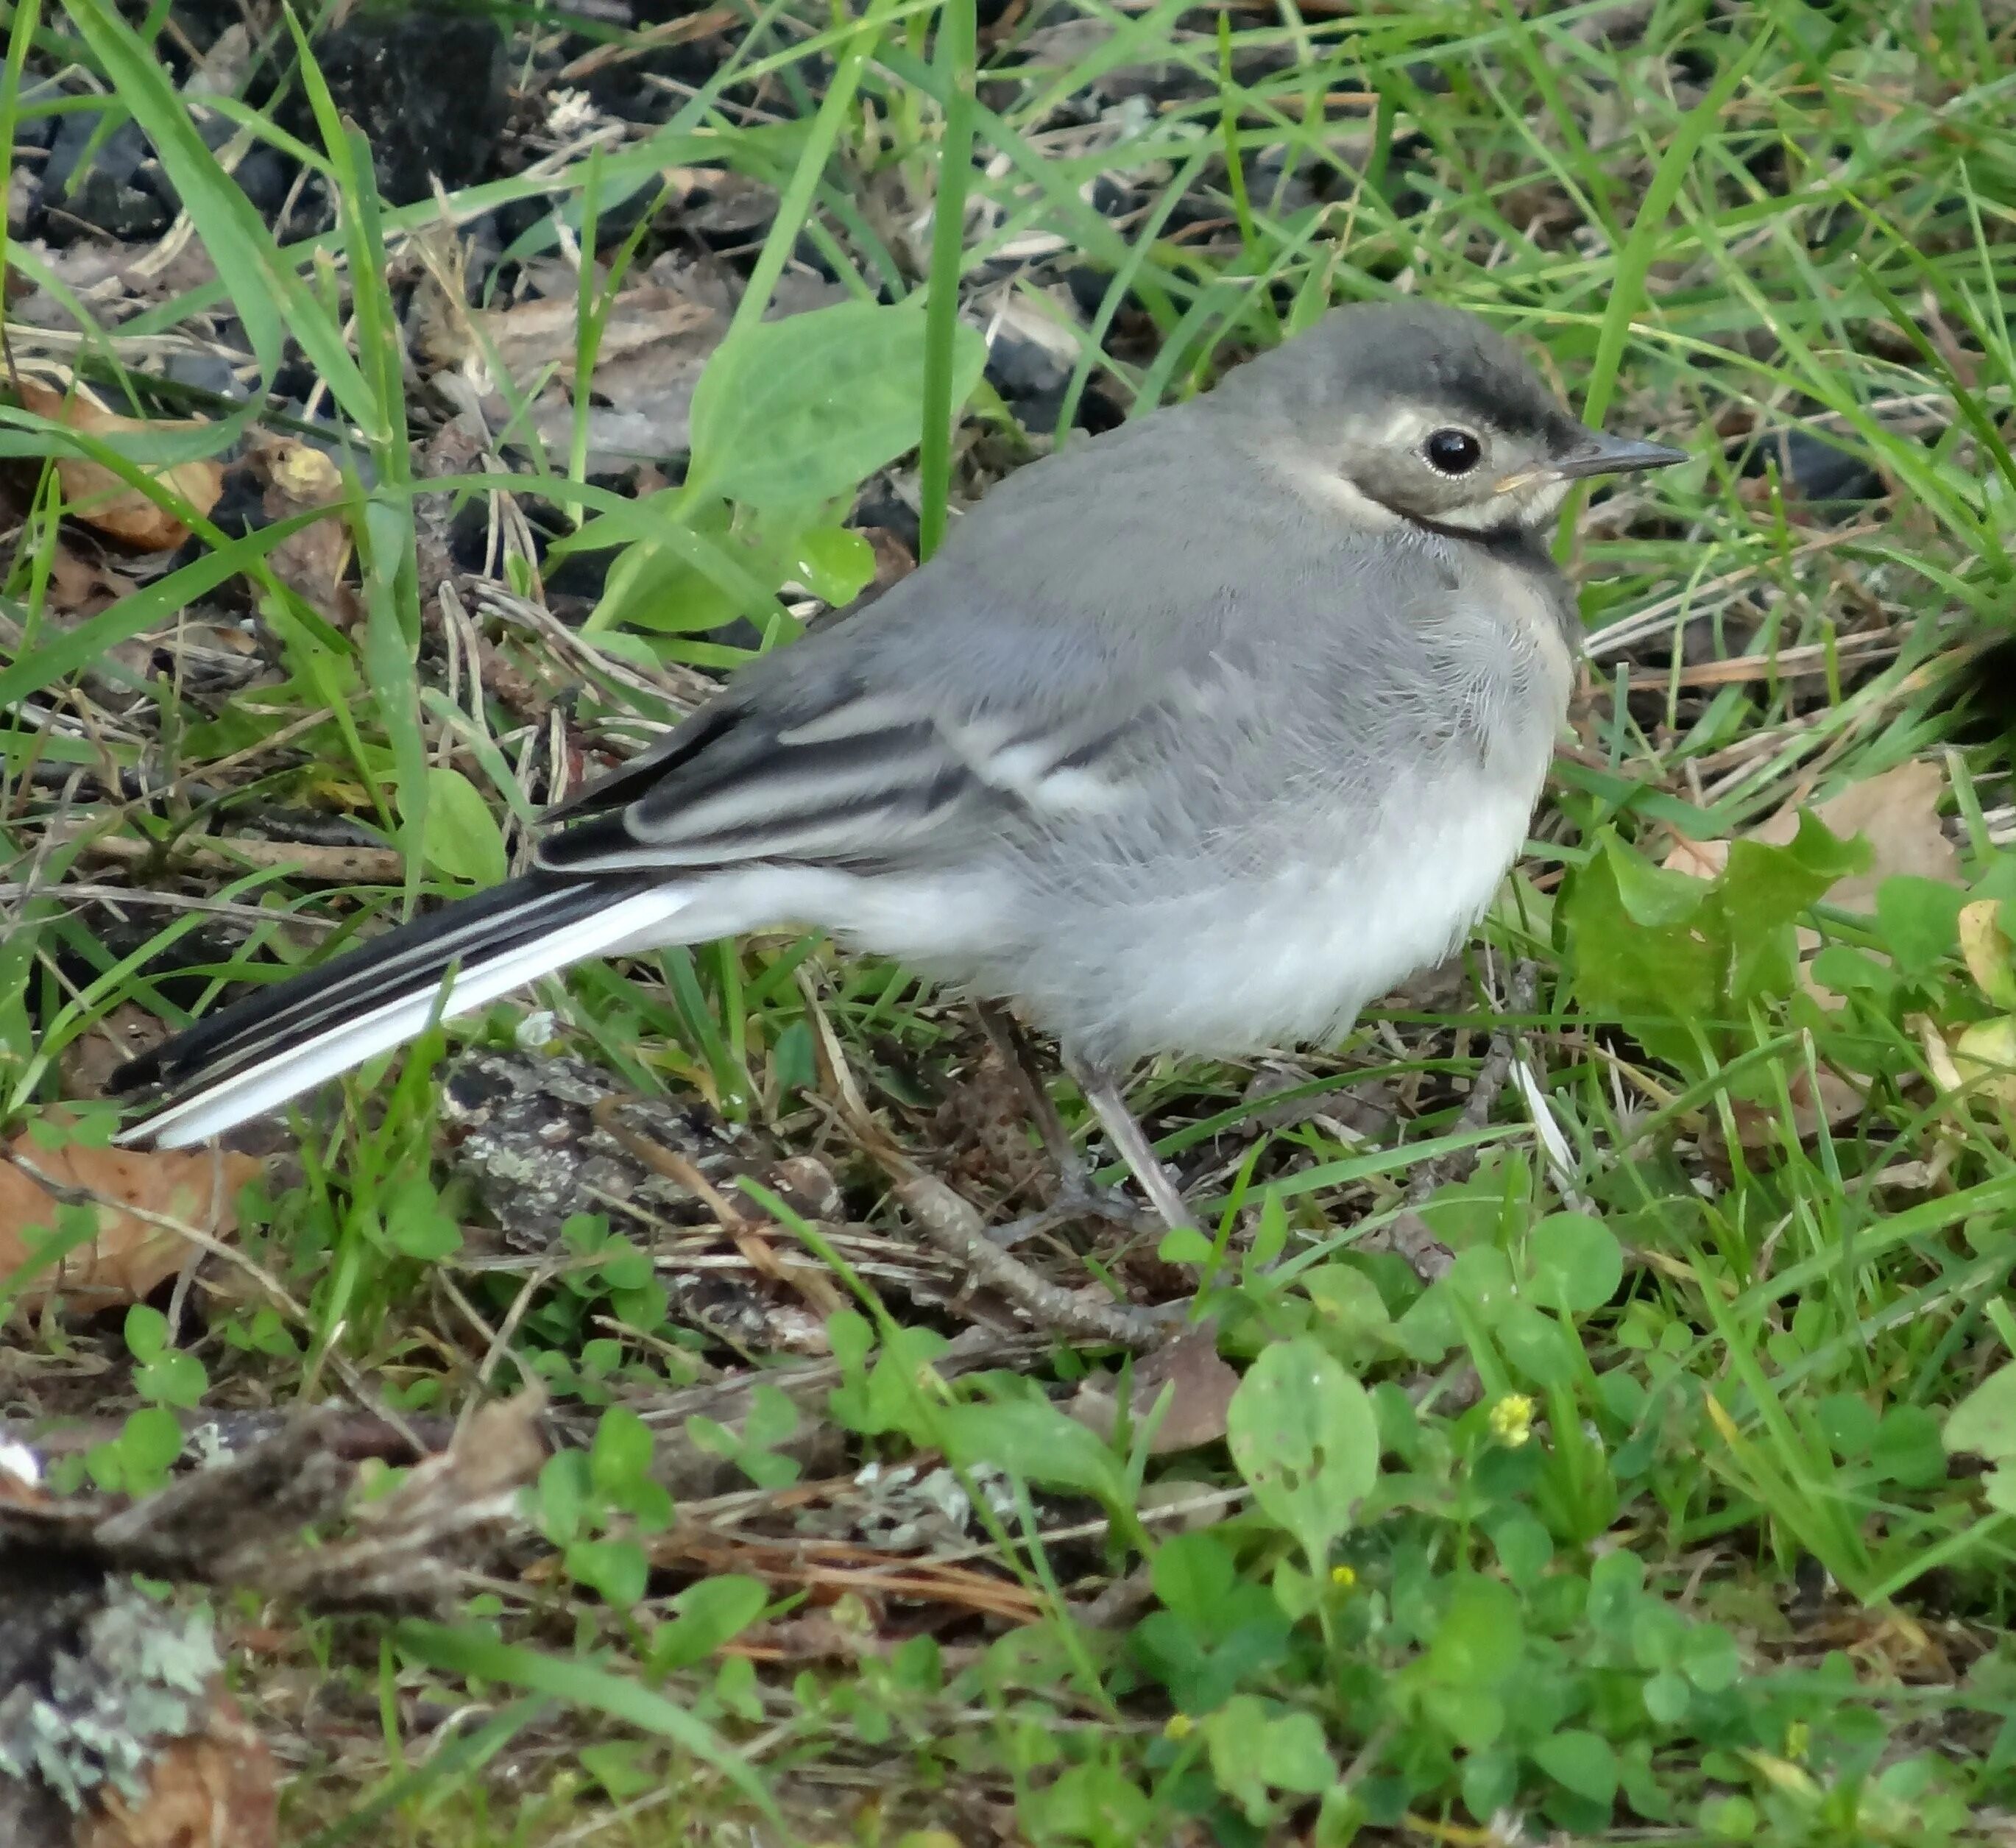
(428, 86)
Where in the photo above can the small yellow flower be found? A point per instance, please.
(1178, 1726)
(1343, 1577)
(1512, 1420)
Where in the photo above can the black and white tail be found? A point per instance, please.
(253, 1056)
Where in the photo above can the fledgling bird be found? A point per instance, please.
(1193, 738)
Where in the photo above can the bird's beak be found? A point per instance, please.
(1598, 455)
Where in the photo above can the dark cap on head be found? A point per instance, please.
(1420, 352)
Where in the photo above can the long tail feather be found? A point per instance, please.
(253, 1056)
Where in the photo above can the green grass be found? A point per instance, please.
(1637, 1525)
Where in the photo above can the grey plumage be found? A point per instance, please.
(1194, 737)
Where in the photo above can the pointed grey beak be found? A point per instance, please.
(1616, 456)
(1598, 454)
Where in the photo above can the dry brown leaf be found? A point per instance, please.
(98, 498)
(89, 1061)
(1897, 813)
(299, 478)
(129, 1256)
(1200, 1387)
(217, 1788)
(83, 586)
(1833, 1102)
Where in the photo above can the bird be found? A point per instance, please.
(1193, 738)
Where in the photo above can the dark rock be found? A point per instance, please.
(1088, 287)
(118, 157)
(105, 191)
(263, 176)
(427, 85)
(1815, 469)
(205, 372)
(35, 132)
(879, 505)
(543, 1138)
(1018, 367)
(1111, 198)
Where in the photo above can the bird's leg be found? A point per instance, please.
(1074, 1197)
(1102, 1091)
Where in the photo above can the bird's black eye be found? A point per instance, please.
(1453, 451)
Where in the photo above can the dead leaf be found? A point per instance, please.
(1200, 1386)
(1697, 859)
(129, 1256)
(299, 478)
(1897, 813)
(1834, 1102)
(98, 498)
(216, 1788)
(88, 1062)
(654, 343)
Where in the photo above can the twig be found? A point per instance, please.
(339, 866)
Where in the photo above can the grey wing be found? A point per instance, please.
(831, 753)
(1035, 676)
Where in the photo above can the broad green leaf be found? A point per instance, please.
(1919, 919)
(1650, 894)
(416, 1223)
(1302, 1433)
(1577, 1262)
(807, 407)
(1034, 1440)
(1582, 1762)
(1192, 1575)
(1984, 1423)
(584, 1685)
(835, 563)
(1537, 1345)
(620, 1457)
(709, 1614)
(1669, 969)
(462, 835)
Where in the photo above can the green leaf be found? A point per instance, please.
(1651, 895)
(616, 1569)
(1302, 1433)
(619, 1457)
(710, 1614)
(1984, 1423)
(1582, 1762)
(585, 1686)
(1034, 1440)
(1668, 969)
(1350, 1314)
(1710, 1658)
(1193, 1574)
(807, 407)
(1667, 1697)
(1480, 1641)
(417, 1224)
(1919, 919)
(1481, 1278)
(1255, 1748)
(835, 563)
(149, 1442)
(172, 1378)
(463, 839)
(146, 1331)
(623, 1767)
(1577, 1262)
(1537, 1345)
